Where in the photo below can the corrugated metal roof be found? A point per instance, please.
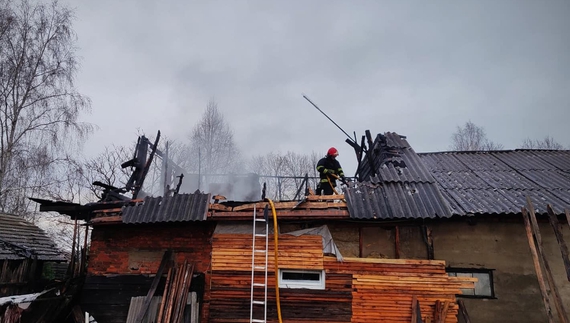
(20, 239)
(498, 182)
(524, 160)
(177, 208)
(395, 200)
(402, 187)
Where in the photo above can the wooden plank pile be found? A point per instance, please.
(231, 281)
(175, 294)
(233, 252)
(383, 289)
(356, 290)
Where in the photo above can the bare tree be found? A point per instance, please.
(284, 173)
(547, 143)
(212, 147)
(39, 105)
(106, 168)
(471, 137)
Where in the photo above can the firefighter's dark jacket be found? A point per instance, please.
(327, 166)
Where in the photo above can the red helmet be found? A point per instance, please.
(332, 152)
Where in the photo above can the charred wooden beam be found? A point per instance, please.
(560, 238)
(545, 292)
(397, 242)
(164, 264)
(536, 230)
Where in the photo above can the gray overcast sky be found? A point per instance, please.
(419, 68)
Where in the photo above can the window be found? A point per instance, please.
(293, 278)
(483, 286)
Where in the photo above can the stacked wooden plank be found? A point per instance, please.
(233, 252)
(311, 202)
(231, 281)
(356, 290)
(383, 289)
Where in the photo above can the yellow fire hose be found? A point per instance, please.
(330, 183)
(275, 239)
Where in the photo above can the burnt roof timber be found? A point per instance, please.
(278, 206)
(323, 214)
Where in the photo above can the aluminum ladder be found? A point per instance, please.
(259, 251)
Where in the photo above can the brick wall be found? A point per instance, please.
(138, 249)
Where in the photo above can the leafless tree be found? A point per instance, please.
(284, 173)
(211, 148)
(39, 106)
(471, 137)
(547, 143)
(106, 168)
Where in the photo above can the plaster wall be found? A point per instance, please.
(503, 246)
(488, 244)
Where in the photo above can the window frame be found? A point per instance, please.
(302, 284)
(463, 270)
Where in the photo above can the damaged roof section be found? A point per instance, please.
(396, 184)
(497, 182)
(177, 208)
(20, 239)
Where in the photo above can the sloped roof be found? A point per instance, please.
(497, 182)
(20, 239)
(177, 208)
(396, 184)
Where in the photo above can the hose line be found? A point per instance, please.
(275, 239)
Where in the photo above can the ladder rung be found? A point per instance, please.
(260, 250)
(258, 321)
(259, 284)
(260, 219)
(260, 235)
(259, 302)
(260, 267)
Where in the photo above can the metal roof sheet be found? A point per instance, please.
(398, 162)
(507, 180)
(177, 208)
(503, 186)
(20, 239)
(550, 179)
(525, 160)
(442, 162)
(403, 186)
(481, 161)
(462, 180)
(558, 158)
(395, 200)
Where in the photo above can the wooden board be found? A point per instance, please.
(356, 290)
(233, 252)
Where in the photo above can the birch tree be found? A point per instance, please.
(40, 107)
(471, 137)
(212, 146)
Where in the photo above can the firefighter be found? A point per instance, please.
(329, 170)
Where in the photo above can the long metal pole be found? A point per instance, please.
(331, 120)
(199, 168)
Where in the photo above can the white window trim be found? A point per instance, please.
(308, 284)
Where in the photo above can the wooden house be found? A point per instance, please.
(417, 236)
(25, 249)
